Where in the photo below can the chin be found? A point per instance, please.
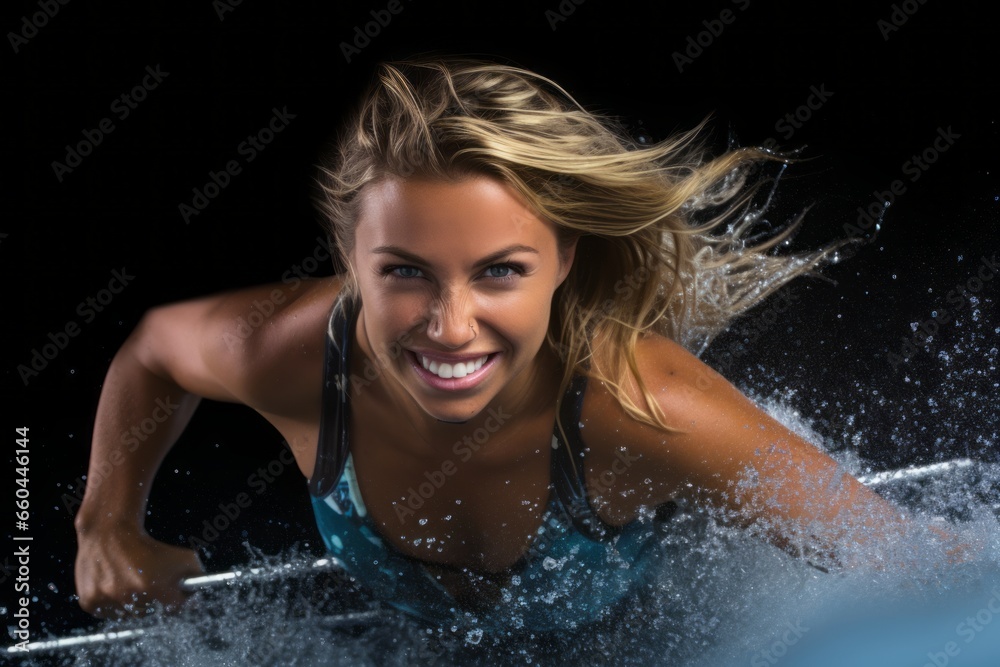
(444, 415)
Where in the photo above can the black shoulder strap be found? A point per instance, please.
(568, 473)
(567, 466)
(333, 446)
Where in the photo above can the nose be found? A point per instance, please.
(450, 322)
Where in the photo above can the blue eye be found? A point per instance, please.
(405, 271)
(503, 273)
(500, 271)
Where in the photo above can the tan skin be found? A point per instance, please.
(426, 262)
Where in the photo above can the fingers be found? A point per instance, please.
(118, 583)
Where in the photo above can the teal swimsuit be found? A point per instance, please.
(575, 570)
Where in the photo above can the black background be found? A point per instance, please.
(890, 93)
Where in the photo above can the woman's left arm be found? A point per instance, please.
(732, 454)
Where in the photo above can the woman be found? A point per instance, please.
(500, 410)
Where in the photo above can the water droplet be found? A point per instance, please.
(423, 522)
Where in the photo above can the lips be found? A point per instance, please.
(447, 371)
(457, 374)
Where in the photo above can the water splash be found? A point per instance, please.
(721, 598)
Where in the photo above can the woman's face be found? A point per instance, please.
(456, 281)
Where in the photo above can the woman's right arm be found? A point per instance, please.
(178, 354)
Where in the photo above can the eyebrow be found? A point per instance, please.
(416, 259)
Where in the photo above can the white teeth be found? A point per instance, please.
(459, 370)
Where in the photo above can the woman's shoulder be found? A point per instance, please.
(632, 463)
(276, 336)
(261, 346)
(671, 374)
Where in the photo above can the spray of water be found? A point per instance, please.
(722, 595)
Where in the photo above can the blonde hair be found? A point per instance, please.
(644, 264)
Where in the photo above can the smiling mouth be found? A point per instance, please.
(447, 371)
(452, 376)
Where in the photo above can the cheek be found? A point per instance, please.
(524, 322)
(399, 320)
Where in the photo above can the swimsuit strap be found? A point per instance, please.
(567, 466)
(568, 471)
(331, 454)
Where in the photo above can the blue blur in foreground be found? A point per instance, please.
(956, 629)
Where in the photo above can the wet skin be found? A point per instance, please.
(453, 270)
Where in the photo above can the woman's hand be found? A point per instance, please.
(125, 571)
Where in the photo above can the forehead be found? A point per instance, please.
(434, 210)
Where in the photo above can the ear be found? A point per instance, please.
(567, 253)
